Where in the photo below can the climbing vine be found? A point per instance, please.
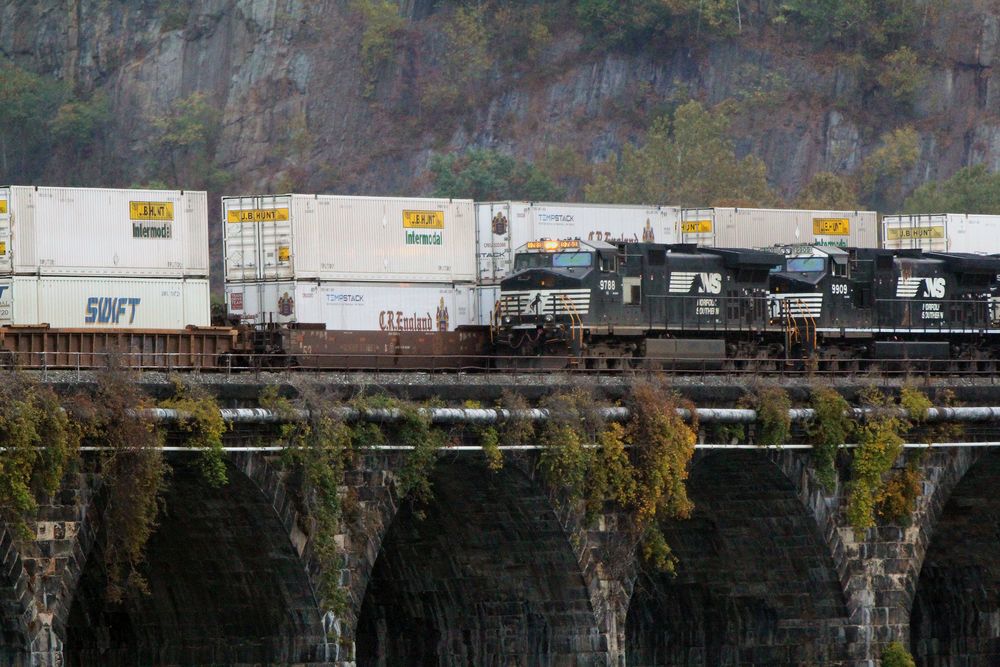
(896, 655)
(640, 466)
(39, 443)
(319, 449)
(416, 431)
(876, 491)
(773, 423)
(202, 421)
(132, 468)
(828, 431)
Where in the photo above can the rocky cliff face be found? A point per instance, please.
(288, 75)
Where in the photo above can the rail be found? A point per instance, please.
(80, 362)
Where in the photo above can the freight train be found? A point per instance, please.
(616, 304)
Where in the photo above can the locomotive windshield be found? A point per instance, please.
(558, 260)
(806, 265)
(572, 259)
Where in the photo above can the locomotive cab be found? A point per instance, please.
(552, 291)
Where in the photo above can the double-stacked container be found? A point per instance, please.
(350, 263)
(102, 258)
(766, 227)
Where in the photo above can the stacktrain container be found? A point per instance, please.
(104, 303)
(766, 227)
(943, 232)
(298, 237)
(394, 307)
(502, 227)
(101, 232)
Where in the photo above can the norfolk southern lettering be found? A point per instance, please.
(111, 309)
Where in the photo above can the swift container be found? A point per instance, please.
(104, 303)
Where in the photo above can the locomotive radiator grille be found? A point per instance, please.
(804, 304)
(546, 302)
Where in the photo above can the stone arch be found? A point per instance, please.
(955, 613)
(19, 612)
(879, 571)
(755, 582)
(226, 586)
(487, 576)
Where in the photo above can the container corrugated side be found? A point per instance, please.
(105, 232)
(502, 227)
(104, 303)
(330, 237)
(943, 232)
(762, 228)
(353, 306)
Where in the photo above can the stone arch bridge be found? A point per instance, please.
(492, 572)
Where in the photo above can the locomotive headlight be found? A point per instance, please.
(506, 319)
(548, 318)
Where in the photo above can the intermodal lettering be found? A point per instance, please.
(111, 309)
(150, 210)
(152, 230)
(257, 215)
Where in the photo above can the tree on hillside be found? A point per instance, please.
(182, 152)
(687, 161)
(883, 173)
(970, 190)
(828, 191)
(29, 103)
(486, 175)
(80, 131)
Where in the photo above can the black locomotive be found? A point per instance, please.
(611, 303)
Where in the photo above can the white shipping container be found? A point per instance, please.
(327, 237)
(102, 232)
(943, 232)
(351, 306)
(502, 227)
(104, 303)
(486, 298)
(766, 227)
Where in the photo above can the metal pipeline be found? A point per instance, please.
(496, 415)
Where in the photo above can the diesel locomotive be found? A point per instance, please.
(612, 304)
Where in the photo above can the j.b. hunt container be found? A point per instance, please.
(331, 237)
(943, 232)
(104, 303)
(354, 306)
(53, 231)
(502, 227)
(766, 227)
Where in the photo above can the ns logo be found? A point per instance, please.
(933, 288)
(682, 282)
